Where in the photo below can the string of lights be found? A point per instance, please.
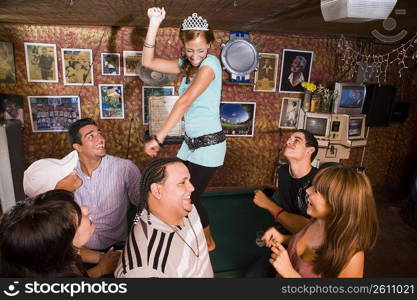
(376, 64)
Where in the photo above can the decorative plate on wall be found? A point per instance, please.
(239, 56)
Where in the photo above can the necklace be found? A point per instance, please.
(289, 170)
(196, 253)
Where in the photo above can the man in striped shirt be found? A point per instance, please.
(167, 238)
(109, 184)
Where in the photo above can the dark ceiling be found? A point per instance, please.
(278, 16)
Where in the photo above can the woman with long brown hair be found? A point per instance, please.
(204, 145)
(344, 226)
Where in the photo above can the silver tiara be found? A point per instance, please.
(194, 22)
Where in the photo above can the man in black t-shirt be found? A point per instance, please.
(289, 203)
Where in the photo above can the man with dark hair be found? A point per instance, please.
(288, 204)
(109, 184)
(167, 238)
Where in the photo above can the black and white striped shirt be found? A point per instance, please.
(155, 250)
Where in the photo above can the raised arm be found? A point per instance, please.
(203, 78)
(156, 16)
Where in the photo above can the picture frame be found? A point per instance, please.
(41, 62)
(238, 118)
(266, 74)
(77, 66)
(159, 109)
(7, 65)
(295, 68)
(148, 91)
(131, 61)
(111, 101)
(53, 113)
(110, 64)
(331, 152)
(290, 111)
(11, 108)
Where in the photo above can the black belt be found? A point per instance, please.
(204, 140)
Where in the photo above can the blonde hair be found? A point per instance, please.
(351, 224)
(189, 35)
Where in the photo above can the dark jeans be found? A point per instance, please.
(200, 178)
(262, 268)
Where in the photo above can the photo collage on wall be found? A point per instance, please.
(77, 67)
(53, 113)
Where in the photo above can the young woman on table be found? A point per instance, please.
(204, 145)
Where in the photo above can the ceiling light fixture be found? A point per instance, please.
(356, 11)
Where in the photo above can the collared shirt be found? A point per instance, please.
(107, 193)
(299, 80)
(156, 250)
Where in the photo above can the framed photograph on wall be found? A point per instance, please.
(7, 66)
(53, 113)
(290, 110)
(77, 66)
(41, 62)
(148, 91)
(238, 118)
(331, 152)
(159, 109)
(110, 64)
(11, 108)
(111, 101)
(266, 75)
(131, 61)
(295, 68)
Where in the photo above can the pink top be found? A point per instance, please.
(305, 268)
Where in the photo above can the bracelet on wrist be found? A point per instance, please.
(147, 45)
(156, 139)
(280, 210)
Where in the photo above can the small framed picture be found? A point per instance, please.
(290, 110)
(331, 152)
(7, 66)
(148, 91)
(53, 113)
(41, 62)
(295, 68)
(238, 118)
(110, 64)
(159, 109)
(111, 101)
(131, 61)
(77, 66)
(266, 75)
(11, 108)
